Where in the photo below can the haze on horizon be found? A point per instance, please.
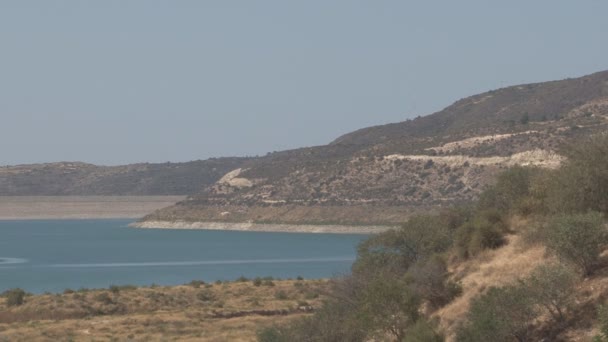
(115, 82)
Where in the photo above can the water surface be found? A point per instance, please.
(54, 255)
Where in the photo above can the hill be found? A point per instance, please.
(81, 179)
(383, 174)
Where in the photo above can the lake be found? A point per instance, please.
(52, 255)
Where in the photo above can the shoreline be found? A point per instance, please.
(15, 208)
(262, 227)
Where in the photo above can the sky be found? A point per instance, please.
(114, 81)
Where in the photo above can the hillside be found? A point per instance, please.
(220, 311)
(382, 174)
(81, 179)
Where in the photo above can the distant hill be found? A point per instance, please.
(382, 174)
(376, 175)
(67, 178)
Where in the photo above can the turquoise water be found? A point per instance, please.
(53, 255)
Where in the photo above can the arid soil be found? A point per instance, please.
(233, 311)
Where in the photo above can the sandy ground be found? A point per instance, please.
(81, 207)
(259, 227)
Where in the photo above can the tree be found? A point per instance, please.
(423, 331)
(389, 306)
(430, 280)
(577, 238)
(501, 314)
(14, 297)
(581, 184)
(395, 251)
(552, 287)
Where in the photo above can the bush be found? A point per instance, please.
(581, 184)
(281, 295)
(104, 298)
(388, 305)
(552, 287)
(480, 234)
(602, 317)
(205, 295)
(14, 297)
(430, 280)
(271, 334)
(423, 331)
(395, 251)
(499, 315)
(257, 281)
(578, 238)
(512, 187)
(196, 283)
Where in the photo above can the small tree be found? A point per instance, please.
(388, 305)
(395, 251)
(475, 236)
(582, 183)
(552, 287)
(502, 314)
(14, 297)
(423, 331)
(578, 239)
(430, 280)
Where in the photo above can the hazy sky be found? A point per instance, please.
(113, 82)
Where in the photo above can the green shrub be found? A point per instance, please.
(281, 295)
(577, 238)
(104, 298)
(257, 281)
(581, 184)
(480, 234)
(271, 334)
(14, 297)
(242, 279)
(423, 331)
(502, 314)
(268, 282)
(430, 281)
(196, 283)
(552, 287)
(205, 295)
(512, 187)
(396, 250)
(388, 305)
(602, 317)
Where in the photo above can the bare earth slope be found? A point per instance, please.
(382, 174)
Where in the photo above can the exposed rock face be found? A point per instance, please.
(382, 174)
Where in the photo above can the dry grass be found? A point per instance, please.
(180, 313)
(491, 268)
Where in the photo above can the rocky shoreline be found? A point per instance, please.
(261, 227)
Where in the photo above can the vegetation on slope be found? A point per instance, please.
(199, 311)
(401, 280)
(386, 172)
